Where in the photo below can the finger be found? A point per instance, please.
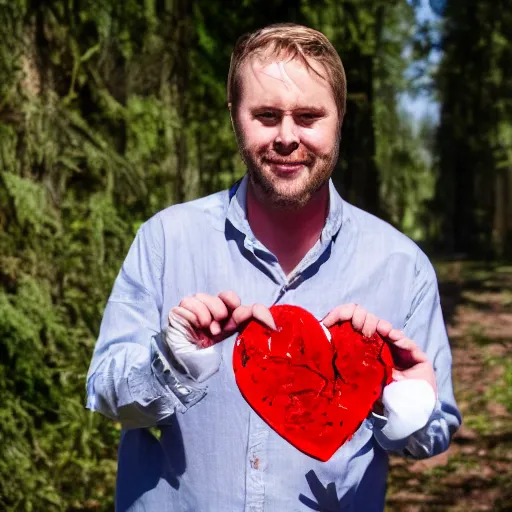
(404, 343)
(263, 315)
(370, 325)
(215, 328)
(258, 311)
(190, 317)
(200, 309)
(420, 371)
(407, 353)
(217, 308)
(230, 299)
(398, 375)
(395, 335)
(230, 326)
(384, 328)
(408, 345)
(339, 314)
(240, 315)
(358, 318)
(418, 356)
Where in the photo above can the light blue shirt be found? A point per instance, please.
(214, 452)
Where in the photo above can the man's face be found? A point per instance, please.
(287, 127)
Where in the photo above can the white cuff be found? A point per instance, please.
(185, 345)
(408, 405)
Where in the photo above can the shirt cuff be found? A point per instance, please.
(377, 423)
(170, 379)
(409, 406)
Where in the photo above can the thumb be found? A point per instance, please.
(398, 375)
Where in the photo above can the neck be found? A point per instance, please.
(289, 235)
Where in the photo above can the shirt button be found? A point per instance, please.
(182, 391)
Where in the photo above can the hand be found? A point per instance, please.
(408, 402)
(410, 361)
(201, 321)
(362, 321)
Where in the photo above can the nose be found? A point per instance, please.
(287, 139)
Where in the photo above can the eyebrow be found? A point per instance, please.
(298, 109)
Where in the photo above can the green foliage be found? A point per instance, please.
(402, 153)
(29, 198)
(475, 172)
(502, 390)
(407, 177)
(48, 441)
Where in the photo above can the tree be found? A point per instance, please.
(474, 141)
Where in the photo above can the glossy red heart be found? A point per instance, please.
(312, 392)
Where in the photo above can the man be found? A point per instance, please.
(197, 272)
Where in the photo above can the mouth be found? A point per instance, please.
(286, 165)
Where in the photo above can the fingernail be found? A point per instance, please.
(215, 329)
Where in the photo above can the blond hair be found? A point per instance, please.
(296, 42)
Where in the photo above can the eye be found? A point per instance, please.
(266, 115)
(307, 118)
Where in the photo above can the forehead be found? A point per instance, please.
(284, 83)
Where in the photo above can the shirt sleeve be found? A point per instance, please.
(425, 326)
(130, 378)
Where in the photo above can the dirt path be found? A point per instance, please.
(476, 472)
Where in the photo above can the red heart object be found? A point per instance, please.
(312, 392)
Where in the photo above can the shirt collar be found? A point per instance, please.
(237, 212)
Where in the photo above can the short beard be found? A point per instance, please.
(267, 191)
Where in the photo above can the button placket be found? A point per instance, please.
(256, 464)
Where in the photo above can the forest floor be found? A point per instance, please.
(476, 472)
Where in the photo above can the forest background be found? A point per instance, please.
(112, 110)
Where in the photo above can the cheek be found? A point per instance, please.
(254, 134)
(319, 140)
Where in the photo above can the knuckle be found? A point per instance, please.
(202, 296)
(220, 312)
(185, 301)
(240, 314)
(229, 300)
(229, 294)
